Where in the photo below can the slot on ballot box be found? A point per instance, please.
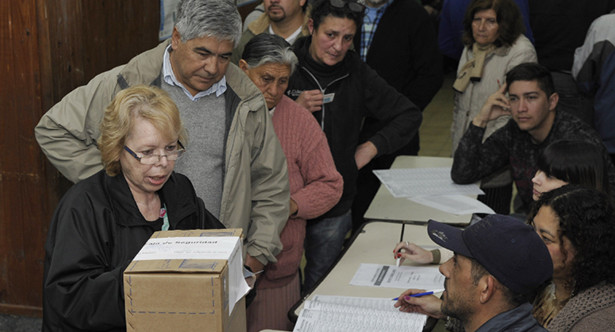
(187, 280)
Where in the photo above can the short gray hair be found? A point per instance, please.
(208, 18)
(269, 48)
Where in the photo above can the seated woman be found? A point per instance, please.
(570, 161)
(494, 44)
(315, 184)
(102, 222)
(562, 162)
(578, 226)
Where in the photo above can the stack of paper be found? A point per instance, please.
(433, 187)
(358, 314)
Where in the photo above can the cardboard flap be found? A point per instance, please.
(198, 233)
(187, 251)
(177, 265)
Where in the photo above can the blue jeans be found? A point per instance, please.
(323, 244)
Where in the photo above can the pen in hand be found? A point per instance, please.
(401, 238)
(416, 295)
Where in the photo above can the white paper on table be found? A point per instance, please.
(404, 277)
(412, 182)
(347, 313)
(204, 247)
(454, 204)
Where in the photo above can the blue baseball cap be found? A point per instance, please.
(506, 247)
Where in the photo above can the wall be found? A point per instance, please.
(49, 47)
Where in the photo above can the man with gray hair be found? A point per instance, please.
(234, 159)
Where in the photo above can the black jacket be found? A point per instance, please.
(359, 92)
(95, 233)
(512, 147)
(404, 51)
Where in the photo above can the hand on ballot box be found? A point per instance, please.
(410, 251)
(428, 305)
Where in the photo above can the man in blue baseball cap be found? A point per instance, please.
(498, 265)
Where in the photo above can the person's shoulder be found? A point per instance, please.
(259, 25)
(604, 23)
(565, 121)
(86, 191)
(522, 42)
(240, 83)
(146, 66)
(405, 8)
(300, 46)
(294, 110)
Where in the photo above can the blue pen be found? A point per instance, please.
(416, 295)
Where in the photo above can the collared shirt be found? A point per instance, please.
(291, 39)
(169, 77)
(370, 24)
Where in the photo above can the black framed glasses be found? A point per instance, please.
(353, 5)
(151, 159)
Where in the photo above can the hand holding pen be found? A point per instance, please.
(426, 304)
(397, 253)
(406, 250)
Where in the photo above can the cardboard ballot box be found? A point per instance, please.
(187, 281)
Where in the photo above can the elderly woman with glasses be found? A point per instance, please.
(102, 222)
(315, 184)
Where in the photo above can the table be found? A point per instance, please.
(386, 207)
(373, 244)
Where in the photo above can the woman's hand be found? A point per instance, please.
(364, 154)
(311, 99)
(410, 251)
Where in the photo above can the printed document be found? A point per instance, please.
(358, 314)
(454, 204)
(413, 182)
(403, 277)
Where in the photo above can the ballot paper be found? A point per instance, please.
(416, 182)
(219, 247)
(403, 277)
(454, 204)
(358, 314)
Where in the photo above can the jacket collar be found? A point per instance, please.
(125, 207)
(261, 24)
(144, 68)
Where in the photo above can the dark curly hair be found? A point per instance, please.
(587, 218)
(510, 22)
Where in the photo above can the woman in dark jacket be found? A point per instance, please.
(102, 222)
(340, 90)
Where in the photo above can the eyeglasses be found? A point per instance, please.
(353, 5)
(151, 159)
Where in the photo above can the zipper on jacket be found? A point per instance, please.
(322, 90)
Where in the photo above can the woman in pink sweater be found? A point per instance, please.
(315, 184)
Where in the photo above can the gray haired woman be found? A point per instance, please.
(315, 184)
